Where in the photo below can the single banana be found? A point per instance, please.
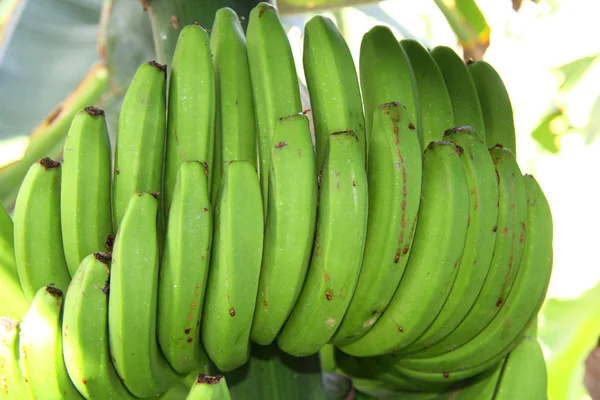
(209, 388)
(523, 302)
(290, 226)
(462, 90)
(433, 264)
(38, 240)
(235, 136)
(394, 176)
(495, 105)
(132, 319)
(191, 115)
(332, 83)
(40, 348)
(479, 246)
(235, 267)
(433, 105)
(508, 248)
(337, 252)
(85, 187)
(140, 138)
(13, 303)
(184, 269)
(85, 332)
(524, 374)
(386, 76)
(274, 81)
(12, 384)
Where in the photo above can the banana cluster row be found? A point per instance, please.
(402, 232)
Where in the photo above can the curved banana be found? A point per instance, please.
(38, 240)
(462, 90)
(495, 105)
(40, 348)
(209, 388)
(235, 136)
(524, 374)
(479, 247)
(191, 115)
(523, 302)
(12, 384)
(433, 105)
(508, 248)
(433, 263)
(386, 76)
(290, 226)
(394, 176)
(335, 98)
(140, 138)
(274, 81)
(13, 303)
(338, 249)
(132, 319)
(184, 269)
(85, 187)
(235, 267)
(85, 332)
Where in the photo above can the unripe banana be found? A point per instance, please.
(332, 83)
(394, 176)
(40, 348)
(209, 388)
(495, 106)
(132, 319)
(140, 139)
(191, 116)
(85, 187)
(432, 101)
(290, 226)
(433, 264)
(184, 269)
(13, 303)
(274, 81)
(235, 267)
(338, 249)
(38, 240)
(85, 332)
(12, 384)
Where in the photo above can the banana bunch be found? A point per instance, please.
(397, 229)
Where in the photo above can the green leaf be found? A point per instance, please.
(572, 72)
(545, 134)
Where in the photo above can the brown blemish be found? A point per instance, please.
(306, 111)
(187, 331)
(104, 258)
(397, 258)
(521, 237)
(326, 276)
(400, 329)
(264, 8)
(405, 249)
(354, 183)
(204, 209)
(109, 242)
(189, 318)
(48, 163)
(54, 291)
(328, 295)
(504, 231)
(232, 312)
(495, 229)
(93, 111)
(281, 145)
(446, 374)
(265, 303)
(459, 150)
(175, 22)
(155, 195)
(499, 302)
(411, 126)
(194, 304)
(161, 67)
(189, 340)
(54, 114)
(208, 379)
(84, 381)
(146, 5)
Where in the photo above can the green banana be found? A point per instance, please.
(495, 105)
(235, 137)
(85, 331)
(433, 105)
(12, 384)
(13, 303)
(140, 138)
(479, 247)
(337, 252)
(523, 302)
(274, 81)
(290, 226)
(38, 240)
(40, 348)
(433, 264)
(132, 319)
(508, 248)
(332, 83)
(524, 374)
(191, 116)
(481, 387)
(85, 187)
(462, 90)
(394, 176)
(386, 76)
(209, 388)
(184, 269)
(235, 267)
